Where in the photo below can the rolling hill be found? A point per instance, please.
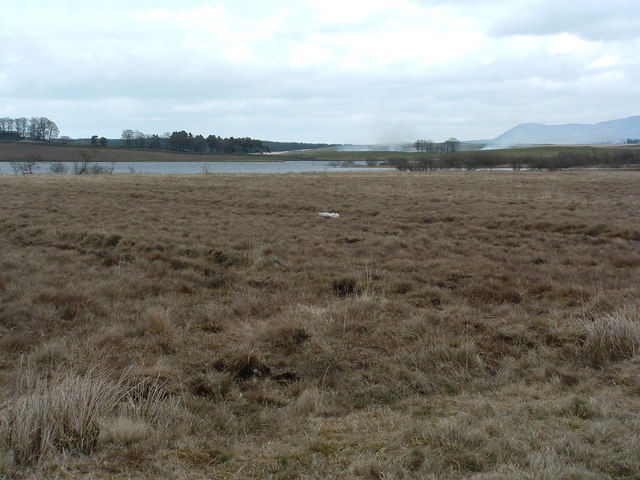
(612, 131)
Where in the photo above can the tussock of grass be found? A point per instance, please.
(158, 320)
(58, 416)
(581, 407)
(309, 402)
(612, 337)
(68, 412)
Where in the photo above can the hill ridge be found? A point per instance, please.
(610, 131)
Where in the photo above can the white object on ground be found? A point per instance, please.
(329, 214)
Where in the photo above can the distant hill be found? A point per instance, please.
(612, 131)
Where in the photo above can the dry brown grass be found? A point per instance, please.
(28, 151)
(447, 325)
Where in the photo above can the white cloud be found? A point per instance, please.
(343, 12)
(606, 62)
(566, 43)
(309, 54)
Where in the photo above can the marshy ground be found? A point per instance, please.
(447, 325)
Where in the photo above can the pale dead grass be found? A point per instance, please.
(59, 415)
(65, 413)
(26, 151)
(447, 325)
(124, 430)
(612, 337)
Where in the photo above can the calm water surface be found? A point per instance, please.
(179, 168)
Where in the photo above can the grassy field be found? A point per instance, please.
(448, 325)
(26, 151)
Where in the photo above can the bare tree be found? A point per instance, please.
(82, 167)
(128, 136)
(51, 130)
(25, 168)
(429, 146)
(42, 129)
(372, 162)
(33, 129)
(139, 138)
(57, 167)
(424, 146)
(87, 165)
(22, 126)
(452, 145)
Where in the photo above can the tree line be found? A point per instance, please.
(40, 129)
(183, 141)
(285, 146)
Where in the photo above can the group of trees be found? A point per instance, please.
(40, 129)
(95, 141)
(183, 141)
(428, 146)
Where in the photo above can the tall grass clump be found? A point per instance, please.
(69, 413)
(58, 417)
(158, 320)
(612, 338)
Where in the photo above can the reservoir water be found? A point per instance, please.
(180, 168)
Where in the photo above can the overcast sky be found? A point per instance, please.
(338, 71)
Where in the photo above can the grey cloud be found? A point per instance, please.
(590, 19)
